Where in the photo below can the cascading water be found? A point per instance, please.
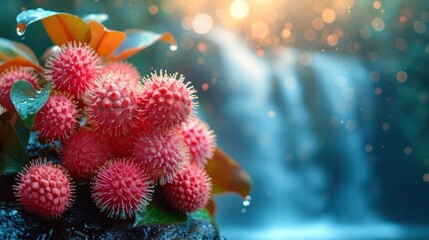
(299, 123)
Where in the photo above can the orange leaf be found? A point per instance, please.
(137, 40)
(227, 175)
(10, 49)
(211, 206)
(63, 27)
(103, 40)
(19, 61)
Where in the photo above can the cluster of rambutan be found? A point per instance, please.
(121, 132)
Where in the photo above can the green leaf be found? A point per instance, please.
(61, 27)
(28, 101)
(22, 131)
(13, 156)
(137, 40)
(158, 212)
(204, 214)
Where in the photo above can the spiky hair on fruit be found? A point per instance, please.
(84, 152)
(9, 77)
(124, 67)
(200, 139)
(44, 189)
(190, 190)
(162, 154)
(111, 104)
(58, 118)
(73, 68)
(120, 188)
(166, 101)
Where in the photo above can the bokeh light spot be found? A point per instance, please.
(378, 91)
(332, 40)
(401, 76)
(318, 24)
(205, 87)
(368, 148)
(426, 177)
(310, 34)
(376, 5)
(408, 150)
(365, 32)
(328, 15)
(259, 30)
(401, 44)
(377, 24)
(239, 9)
(202, 23)
(419, 27)
(286, 33)
(153, 9)
(385, 126)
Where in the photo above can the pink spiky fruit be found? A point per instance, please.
(112, 104)
(122, 67)
(44, 189)
(73, 68)
(84, 152)
(57, 119)
(166, 102)
(190, 190)
(8, 78)
(120, 188)
(162, 154)
(200, 140)
(122, 146)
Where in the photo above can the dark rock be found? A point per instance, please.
(83, 221)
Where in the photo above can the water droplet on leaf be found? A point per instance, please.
(246, 201)
(21, 28)
(173, 48)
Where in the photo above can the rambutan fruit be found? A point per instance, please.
(200, 140)
(190, 190)
(8, 78)
(112, 104)
(122, 146)
(120, 188)
(57, 119)
(162, 154)
(73, 68)
(44, 189)
(84, 152)
(166, 102)
(122, 67)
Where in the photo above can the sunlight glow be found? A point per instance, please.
(239, 9)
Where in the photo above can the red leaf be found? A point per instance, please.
(211, 206)
(227, 175)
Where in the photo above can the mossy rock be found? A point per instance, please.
(84, 221)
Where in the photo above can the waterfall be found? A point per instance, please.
(298, 122)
